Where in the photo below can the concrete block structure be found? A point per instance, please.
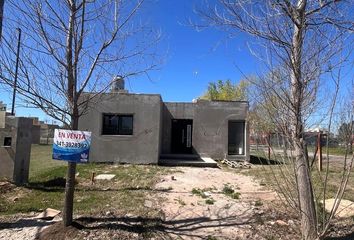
(42, 133)
(141, 128)
(15, 149)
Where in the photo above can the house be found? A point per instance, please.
(141, 128)
(42, 133)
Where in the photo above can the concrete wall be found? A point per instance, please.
(143, 146)
(210, 125)
(15, 159)
(36, 134)
(210, 137)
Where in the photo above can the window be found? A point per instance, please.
(115, 124)
(7, 141)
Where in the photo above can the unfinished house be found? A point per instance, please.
(15, 148)
(141, 128)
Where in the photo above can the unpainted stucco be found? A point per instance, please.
(15, 159)
(210, 125)
(143, 146)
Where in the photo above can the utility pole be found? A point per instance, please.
(16, 71)
(2, 3)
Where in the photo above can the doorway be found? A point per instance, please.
(236, 138)
(181, 142)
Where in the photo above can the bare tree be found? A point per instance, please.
(71, 47)
(305, 40)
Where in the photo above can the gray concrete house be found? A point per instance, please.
(141, 128)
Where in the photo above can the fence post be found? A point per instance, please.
(319, 150)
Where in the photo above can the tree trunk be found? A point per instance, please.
(303, 175)
(306, 200)
(71, 91)
(69, 194)
(70, 180)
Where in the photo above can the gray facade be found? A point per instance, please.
(143, 146)
(200, 128)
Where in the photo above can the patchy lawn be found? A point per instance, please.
(280, 175)
(41, 160)
(47, 182)
(144, 202)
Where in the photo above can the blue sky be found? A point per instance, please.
(193, 58)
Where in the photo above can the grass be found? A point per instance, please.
(180, 201)
(229, 191)
(340, 151)
(47, 181)
(199, 192)
(258, 203)
(282, 176)
(210, 201)
(41, 160)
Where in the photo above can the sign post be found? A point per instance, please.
(73, 147)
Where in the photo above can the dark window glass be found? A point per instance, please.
(7, 141)
(114, 124)
(126, 125)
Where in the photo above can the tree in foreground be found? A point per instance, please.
(305, 41)
(71, 47)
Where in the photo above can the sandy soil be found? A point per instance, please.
(188, 216)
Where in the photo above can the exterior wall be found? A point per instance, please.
(143, 146)
(36, 134)
(210, 125)
(210, 137)
(46, 133)
(15, 159)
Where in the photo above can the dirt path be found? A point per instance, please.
(196, 207)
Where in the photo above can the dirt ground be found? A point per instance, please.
(190, 216)
(195, 203)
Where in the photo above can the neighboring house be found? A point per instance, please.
(42, 133)
(141, 128)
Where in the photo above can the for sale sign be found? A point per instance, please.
(72, 146)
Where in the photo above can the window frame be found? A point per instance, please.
(119, 131)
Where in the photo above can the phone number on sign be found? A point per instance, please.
(71, 144)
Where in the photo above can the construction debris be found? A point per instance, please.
(345, 208)
(236, 164)
(105, 177)
(48, 214)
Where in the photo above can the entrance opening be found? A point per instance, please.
(236, 137)
(181, 141)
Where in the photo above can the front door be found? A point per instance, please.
(182, 136)
(236, 138)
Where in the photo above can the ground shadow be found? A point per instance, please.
(21, 223)
(257, 160)
(52, 185)
(349, 236)
(145, 226)
(176, 227)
